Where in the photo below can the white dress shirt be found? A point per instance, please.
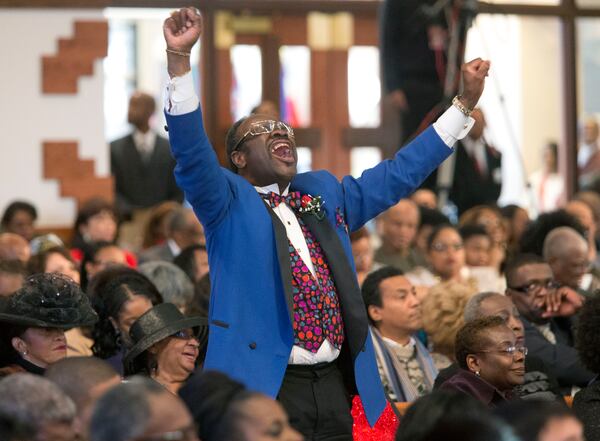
(181, 98)
(144, 142)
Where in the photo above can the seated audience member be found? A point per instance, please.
(37, 404)
(59, 260)
(100, 256)
(166, 346)
(537, 384)
(19, 218)
(229, 411)
(155, 231)
(489, 217)
(443, 316)
(446, 257)
(96, 222)
(193, 261)
(183, 230)
(532, 289)
(478, 249)
(585, 215)
(542, 421)
(535, 234)
(83, 380)
(430, 218)
(407, 370)
(567, 254)
(12, 276)
(172, 283)
(516, 220)
(586, 403)
(450, 416)
(399, 227)
(120, 296)
(34, 319)
(363, 254)
(141, 409)
(14, 247)
(491, 361)
(424, 197)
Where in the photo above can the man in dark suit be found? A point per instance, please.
(547, 314)
(477, 173)
(287, 316)
(141, 162)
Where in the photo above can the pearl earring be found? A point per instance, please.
(477, 373)
(24, 353)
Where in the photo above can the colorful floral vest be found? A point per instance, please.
(317, 313)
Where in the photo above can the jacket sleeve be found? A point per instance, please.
(198, 172)
(385, 184)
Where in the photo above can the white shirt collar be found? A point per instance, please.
(144, 142)
(395, 344)
(273, 188)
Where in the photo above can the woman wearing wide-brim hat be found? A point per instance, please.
(34, 319)
(166, 345)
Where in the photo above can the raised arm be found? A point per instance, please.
(197, 172)
(385, 184)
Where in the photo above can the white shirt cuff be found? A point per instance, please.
(453, 125)
(180, 95)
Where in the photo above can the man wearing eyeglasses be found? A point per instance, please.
(287, 317)
(547, 315)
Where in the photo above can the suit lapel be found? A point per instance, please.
(353, 309)
(283, 257)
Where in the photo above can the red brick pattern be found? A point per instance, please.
(76, 176)
(75, 57)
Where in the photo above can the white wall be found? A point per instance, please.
(27, 117)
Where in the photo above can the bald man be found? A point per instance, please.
(399, 228)
(141, 162)
(583, 212)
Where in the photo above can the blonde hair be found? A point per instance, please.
(443, 313)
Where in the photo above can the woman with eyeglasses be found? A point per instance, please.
(491, 361)
(166, 346)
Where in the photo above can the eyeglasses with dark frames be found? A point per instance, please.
(262, 127)
(536, 285)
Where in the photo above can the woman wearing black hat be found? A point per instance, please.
(34, 319)
(166, 345)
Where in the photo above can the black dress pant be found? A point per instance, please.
(317, 402)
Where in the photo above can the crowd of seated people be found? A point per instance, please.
(494, 311)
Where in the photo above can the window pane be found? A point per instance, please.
(295, 84)
(526, 2)
(362, 158)
(364, 88)
(522, 99)
(246, 91)
(304, 159)
(588, 3)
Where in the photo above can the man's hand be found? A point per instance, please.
(562, 302)
(473, 77)
(398, 100)
(181, 30)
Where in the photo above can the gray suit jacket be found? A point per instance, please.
(139, 183)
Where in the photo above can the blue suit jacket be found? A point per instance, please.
(251, 333)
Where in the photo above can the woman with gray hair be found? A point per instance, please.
(172, 283)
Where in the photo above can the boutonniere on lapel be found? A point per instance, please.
(339, 219)
(312, 205)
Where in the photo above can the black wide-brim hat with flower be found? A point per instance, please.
(48, 301)
(160, 322)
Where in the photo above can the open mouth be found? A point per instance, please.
(282, 150)
(191, 356)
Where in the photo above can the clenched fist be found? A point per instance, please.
(183, 29)
(473, 77)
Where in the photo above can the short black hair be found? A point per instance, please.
(469, 337)
(533, 238)
(231, 140)
(471, 230)
(15, 207)
(518, 261)
(587, 335)
(370, 287)
(432, 217)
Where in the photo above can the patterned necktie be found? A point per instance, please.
(293, 199)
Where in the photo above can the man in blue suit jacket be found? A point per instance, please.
(286, 313)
